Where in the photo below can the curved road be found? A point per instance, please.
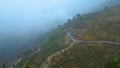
(76, 40)
(72, 37)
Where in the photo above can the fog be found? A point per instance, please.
(28, 16)
(21, 19)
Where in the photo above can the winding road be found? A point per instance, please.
(72, 37)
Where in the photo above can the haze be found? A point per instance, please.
(24, 20)
(28, 16)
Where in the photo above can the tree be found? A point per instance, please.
(27, 66)
(112, 63)
(69, 20)
(78, 15)
(4, 66)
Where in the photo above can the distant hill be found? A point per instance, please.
(113, 2)
(14, 47)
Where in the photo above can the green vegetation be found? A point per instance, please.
(103, 25)
(113, 63)
(54, 42)
(88, 55)
(107, 31)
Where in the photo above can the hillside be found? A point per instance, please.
(55, 41)
(98, 26)
(87, 55)
(91, 26)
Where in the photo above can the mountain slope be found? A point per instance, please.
(99, 26)
(54, 42)
(86, 55)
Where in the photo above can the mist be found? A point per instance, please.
(28, 16)
(21, 20)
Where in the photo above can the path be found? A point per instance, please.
(72, 37)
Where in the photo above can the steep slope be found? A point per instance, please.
(86, 55)
(99, 26)
(104, 22)
(54, 42)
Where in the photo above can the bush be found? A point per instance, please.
(112, 63)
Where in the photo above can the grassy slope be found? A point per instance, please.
(103, 25)
(53, 43)
(83, 55)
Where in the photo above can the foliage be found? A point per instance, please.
(102, 25)
(54, 42)
(86, 55)
(113, 63)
